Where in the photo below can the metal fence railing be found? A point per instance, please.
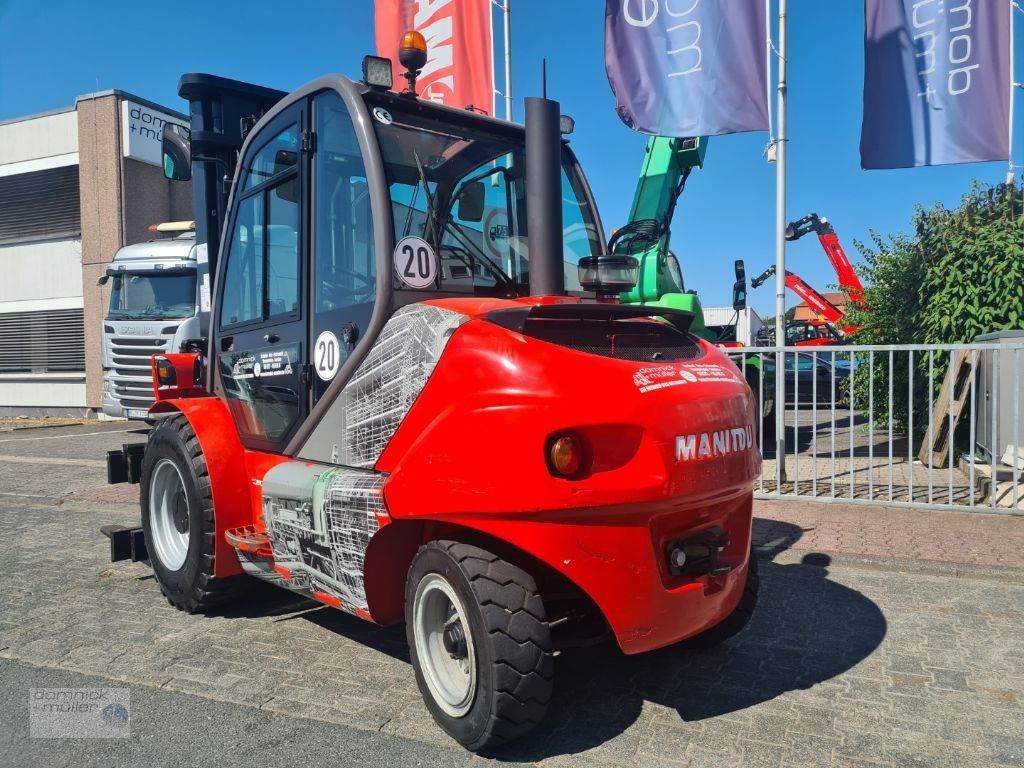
(932, 426)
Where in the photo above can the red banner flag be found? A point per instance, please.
(460, 54)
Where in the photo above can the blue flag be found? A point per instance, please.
(688, 67)
(936, 82)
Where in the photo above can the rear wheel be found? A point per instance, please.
(480, 643)
(177, 518)
(740, 616)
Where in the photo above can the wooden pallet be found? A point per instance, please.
(935, 450)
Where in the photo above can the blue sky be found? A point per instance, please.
(52, 51)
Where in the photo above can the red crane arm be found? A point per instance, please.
(848, 279)
(818, 303)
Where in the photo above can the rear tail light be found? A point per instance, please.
(566, 455)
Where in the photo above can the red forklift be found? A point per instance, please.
(402, 413)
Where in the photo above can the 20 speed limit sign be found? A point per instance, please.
(415, 262)
(326, 356)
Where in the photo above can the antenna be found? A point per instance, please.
(544, 76)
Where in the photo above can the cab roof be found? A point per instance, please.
(180, 248)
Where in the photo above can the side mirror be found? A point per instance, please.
(741, 270)
(102, 279)
(471, 201)
(739, 295)
(177, 152)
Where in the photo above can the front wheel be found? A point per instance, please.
(480, 643)
(177, 518)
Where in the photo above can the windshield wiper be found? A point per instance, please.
(431, 210)
(437, 233)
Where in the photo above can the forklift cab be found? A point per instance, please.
(349, 202)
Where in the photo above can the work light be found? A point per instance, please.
(377, 72)
(608, 275)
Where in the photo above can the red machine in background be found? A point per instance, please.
(828, 327)
(848, 279)
(826, 330)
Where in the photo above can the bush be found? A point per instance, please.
(960, 274)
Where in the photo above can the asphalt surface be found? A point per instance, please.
(841, 665)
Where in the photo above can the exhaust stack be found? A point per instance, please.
(544, 196)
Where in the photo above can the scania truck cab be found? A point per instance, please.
(156, 300)
(405, 416)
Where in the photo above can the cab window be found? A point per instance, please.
(279, 154)
(344, 266)
(261, 274)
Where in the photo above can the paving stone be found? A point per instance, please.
(840, 666)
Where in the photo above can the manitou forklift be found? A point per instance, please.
(405, 416)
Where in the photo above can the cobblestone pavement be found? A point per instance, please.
(845, 666)
(951, 538)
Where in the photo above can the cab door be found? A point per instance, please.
(261, 343)
(344, 274)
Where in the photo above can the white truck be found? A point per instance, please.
(159, 302)
(730, 325)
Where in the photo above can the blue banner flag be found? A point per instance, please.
(936, 82)
(688, 67)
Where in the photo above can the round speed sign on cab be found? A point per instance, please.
(415, 262)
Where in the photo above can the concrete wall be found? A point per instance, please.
(42, 393)
(45, 141)
(35, 273)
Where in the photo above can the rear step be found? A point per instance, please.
(247, 539)
(125, 465)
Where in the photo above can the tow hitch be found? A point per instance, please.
(697, 555)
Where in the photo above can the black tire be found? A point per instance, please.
(191, 587)
(511, 637)
(738, 619)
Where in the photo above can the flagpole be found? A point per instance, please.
(782, 138)
(506, 15)
(1013, 93)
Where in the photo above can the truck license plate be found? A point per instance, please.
(135, 413)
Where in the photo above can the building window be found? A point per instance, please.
(51, 341)
(40, 204)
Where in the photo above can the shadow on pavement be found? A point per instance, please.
(806, 630)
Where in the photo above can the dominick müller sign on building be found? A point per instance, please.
(142, 130)
(936, 82)
(460, 57)
(688, 67)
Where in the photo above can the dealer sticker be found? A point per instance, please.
(664, 376)
(415, 262)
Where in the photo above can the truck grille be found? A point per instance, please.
(132, 374)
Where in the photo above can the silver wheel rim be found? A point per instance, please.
(451, 679)
(168, 505)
